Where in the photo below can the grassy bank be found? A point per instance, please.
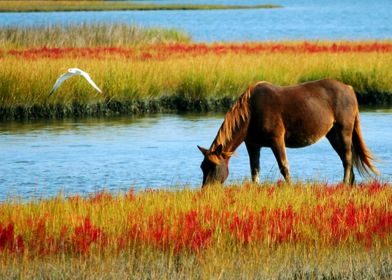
(51, 6)
(174, 78)
(269, 231)
(158, 70)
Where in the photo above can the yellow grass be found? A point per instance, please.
(27, 82)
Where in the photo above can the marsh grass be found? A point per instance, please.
(49, 6)
(141, 231)
(284, 263)
(159, 70)
(87, 35)
(186, 83)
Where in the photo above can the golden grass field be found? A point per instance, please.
(132, 64)
(268, 231)
(27, 81)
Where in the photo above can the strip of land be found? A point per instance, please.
(52, 6)
(155, 70)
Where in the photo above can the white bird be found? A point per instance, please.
(73, 72)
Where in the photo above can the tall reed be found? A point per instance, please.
(185, 77)
(87, 35)
(27, 81)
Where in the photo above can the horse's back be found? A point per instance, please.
(326, 90)
(304, 112)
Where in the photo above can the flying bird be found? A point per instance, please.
(73, 72)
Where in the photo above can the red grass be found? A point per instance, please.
(85, 235)
(178, 50)
(9, 241)
(329, 222)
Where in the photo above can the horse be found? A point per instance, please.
(295, 116)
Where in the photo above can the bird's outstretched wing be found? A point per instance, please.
(60, 80)
(87, 77)
(73, 72)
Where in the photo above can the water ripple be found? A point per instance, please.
(133, 157)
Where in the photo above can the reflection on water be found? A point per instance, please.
(43, 158)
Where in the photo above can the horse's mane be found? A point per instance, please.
(237, 116)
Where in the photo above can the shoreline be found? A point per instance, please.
(167, 104)
(74, 6)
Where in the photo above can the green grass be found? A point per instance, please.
(50, 6)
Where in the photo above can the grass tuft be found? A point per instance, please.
(87, 35)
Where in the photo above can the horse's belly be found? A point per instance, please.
(303, 136)
(305, 129)
(299, 130)
(301, 141)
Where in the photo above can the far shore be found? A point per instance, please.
(156, 70)
(62, 6)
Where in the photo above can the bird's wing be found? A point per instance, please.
(88, 78)
(61, 80)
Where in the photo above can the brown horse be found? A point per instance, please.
(267, 115)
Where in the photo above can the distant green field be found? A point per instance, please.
(48, 6)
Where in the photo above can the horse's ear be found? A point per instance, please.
(218, 151)
(202, 150)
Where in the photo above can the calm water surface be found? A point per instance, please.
(44, 158)
(299, 19)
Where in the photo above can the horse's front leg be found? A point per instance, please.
(254, 160)
(279, 149)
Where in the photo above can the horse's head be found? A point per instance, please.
(215, 165)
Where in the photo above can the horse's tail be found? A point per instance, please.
(362, 156)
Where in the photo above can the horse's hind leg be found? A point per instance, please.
(279, 149)
(341, 141)
(254, 160)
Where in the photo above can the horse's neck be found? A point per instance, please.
(230, 139)
(235, 126)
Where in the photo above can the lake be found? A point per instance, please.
(298, 20)
(45, 157)
(81, 156)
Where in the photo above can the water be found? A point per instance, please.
(46, 157)
(298, 20)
